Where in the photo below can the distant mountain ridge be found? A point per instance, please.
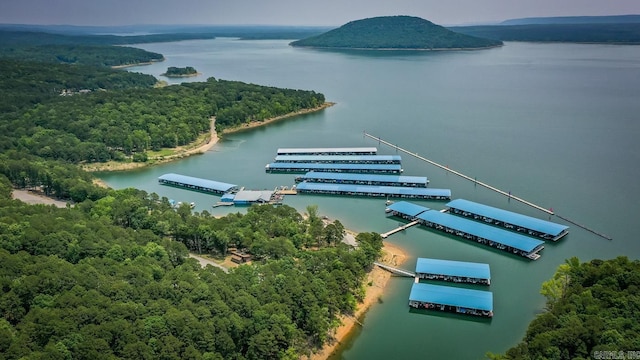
(611, 19)
(395, 32)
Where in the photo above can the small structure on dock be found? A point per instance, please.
(329, 151)
(451, 299)
(248, 197)
(453, 271)
(340, 159)
(282, 167)
(364, 179)
(374, 191)
(197, 184)
(546, 230)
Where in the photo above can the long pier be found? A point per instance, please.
(475, 181)
(396, 271)
(398, 229)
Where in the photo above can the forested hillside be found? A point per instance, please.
(111, 279)
(593, 311)
(110, 125)
(394, 32)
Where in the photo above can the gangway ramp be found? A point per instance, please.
(398, 229)
(396, 271)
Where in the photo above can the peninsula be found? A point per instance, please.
(395, 33)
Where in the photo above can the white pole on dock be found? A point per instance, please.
(475, 181)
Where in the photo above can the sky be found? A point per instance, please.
(294, 12)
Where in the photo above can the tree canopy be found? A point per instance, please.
(592, 308)
(111, 279)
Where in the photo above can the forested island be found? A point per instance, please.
(178, 72)
(395, 32)
(592, 312)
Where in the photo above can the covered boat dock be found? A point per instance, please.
(248, 197)
(348, 168)
(329, 151)
(482, 233)
(451, 299)
(197, 184)
(546, 230)
(364, 179)
(374, 191)
(453, 271)
(340, 159)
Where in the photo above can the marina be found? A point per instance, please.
(374, 191)
(348, 168)
(468, 229)
(329, 151)
(340, 159)
(546, 230)
(453, 271)
(451, 299)
(364, 179)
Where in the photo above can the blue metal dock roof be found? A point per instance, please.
(336, 150)
(194, 181)
(340, 158)
(453, 268)
(524, 221)
(488, 232)
(452, 296)
(341, 167)
(389, 190)
(400, 179)
(407, 208)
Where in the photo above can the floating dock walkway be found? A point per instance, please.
(396, 271)
(398, 229)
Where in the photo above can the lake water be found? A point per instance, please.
(556, 124)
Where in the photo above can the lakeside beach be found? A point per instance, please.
(392, 255)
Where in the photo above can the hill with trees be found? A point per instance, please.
(173, 71)
(394, 32)
(593, 311)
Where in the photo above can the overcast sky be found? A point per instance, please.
(294, 12)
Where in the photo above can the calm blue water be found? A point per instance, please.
(556, 124)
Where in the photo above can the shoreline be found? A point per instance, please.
(181, 76)
(200, 146)
(138, 64)
(392, 255)
(255, 124)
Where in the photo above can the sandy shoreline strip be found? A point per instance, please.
(199, 147)
(391, 255)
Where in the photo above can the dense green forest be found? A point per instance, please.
(111, 279)
(593, 309)
(623, 33)
(173, 71)
(131, 117)
(81, 54)
(394, 32)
